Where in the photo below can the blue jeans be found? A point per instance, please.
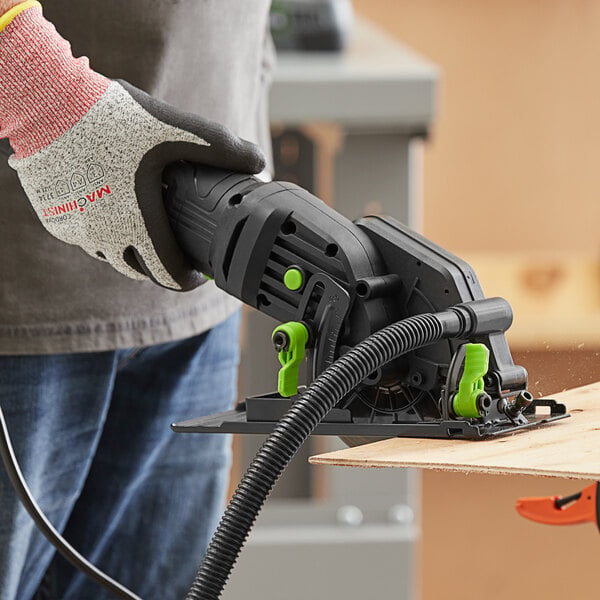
(91, 433)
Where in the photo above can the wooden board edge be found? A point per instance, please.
(325, 460)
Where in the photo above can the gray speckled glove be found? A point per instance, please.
(98, 185)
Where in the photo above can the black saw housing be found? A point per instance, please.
(356, 278)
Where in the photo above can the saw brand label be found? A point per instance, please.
(74, 205)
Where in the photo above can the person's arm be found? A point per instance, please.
(90, 152)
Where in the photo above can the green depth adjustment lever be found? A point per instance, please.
(471, 401)
(289, 339)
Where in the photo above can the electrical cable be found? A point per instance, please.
(77, 560)
(295, 427)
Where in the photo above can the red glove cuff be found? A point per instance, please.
(44, 90)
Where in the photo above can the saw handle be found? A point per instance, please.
(196, 199)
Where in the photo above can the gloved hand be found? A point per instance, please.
(90, 152)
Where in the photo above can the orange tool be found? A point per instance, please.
(568, 510)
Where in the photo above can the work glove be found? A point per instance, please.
(89, 152)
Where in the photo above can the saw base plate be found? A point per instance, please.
(260, 414)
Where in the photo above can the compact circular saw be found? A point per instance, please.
(331, 283)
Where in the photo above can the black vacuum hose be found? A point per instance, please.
(479, 317)
(298, 423)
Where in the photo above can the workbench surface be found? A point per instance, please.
(567, 448)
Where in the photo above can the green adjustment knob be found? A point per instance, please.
(290, 341)
(293, 279)
(471, 386)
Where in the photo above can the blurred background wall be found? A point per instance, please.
(512, 183)
(517, 136)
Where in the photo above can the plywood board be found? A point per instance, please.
(568, 448)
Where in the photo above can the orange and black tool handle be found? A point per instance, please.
(568, 510)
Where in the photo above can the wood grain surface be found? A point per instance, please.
(569, 448)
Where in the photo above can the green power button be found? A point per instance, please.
(293, 279)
